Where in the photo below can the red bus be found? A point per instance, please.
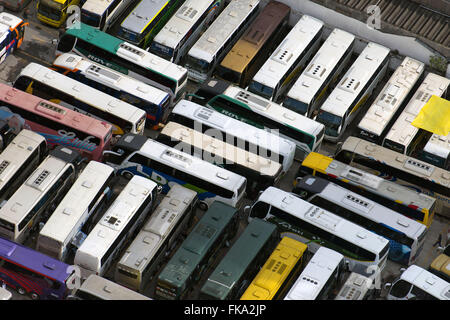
(59, 125)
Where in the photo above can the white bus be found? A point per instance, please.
(242, 135)
(217, 40)
(407, 201)
(155, 102)
(318, 227)
(356, 86)
(101, 14)
(288, 59)
(125, 215)
(22, 155)
(323, 70)
(397, 91)
(39, 194)
(124, 57)
(356, 287)
(50, 85)
(403, 136)
(259, 171)
(98, 288)
(250, 108)
(437, 151)
(80, 207)
(391, 165)
(320, 277)
(406, 236)
(416, 283)
(184, 28)
(137, 155)
(157, 238)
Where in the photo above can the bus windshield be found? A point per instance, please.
(230, 75)
(90, 18)
(332, 123)
(161, 50)
(295, 105)
(197, 64)
(51, 9)
(260, 89)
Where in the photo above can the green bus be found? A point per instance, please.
(242, 262)
(145, 21)
(197, 252)
(105, 49)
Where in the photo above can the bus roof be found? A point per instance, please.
(325, 220)
(181, 22)
(114, 78)
(369, 181)
(247, 47)
(355, 78)
(34, 260)
(143, 14)
(402, 131)
(222, 28)
(97, 6)
(363, 206)
(124, 207)
(55, 111)
(315, 275)
(24, 199)
(196, 166)
(61, 221)
(117, 107)
(7, 22)
(93, 35)
(394, 159)
(438, 145)
(321, 65)
(155, 230)
(238, 258)
(392, 96)
(275, 111)
(220, 148)
(427, 281)
(285, 55)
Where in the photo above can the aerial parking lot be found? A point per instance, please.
(314, 193)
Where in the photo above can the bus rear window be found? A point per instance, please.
(66, 43)
(7, 225)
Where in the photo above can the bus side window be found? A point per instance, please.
(421, 295)
(400, 289)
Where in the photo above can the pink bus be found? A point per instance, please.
(59, 125)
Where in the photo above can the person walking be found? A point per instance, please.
(438, 241)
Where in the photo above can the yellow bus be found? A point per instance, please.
(279, 272)
(54, 12)
(255, 45)
(409, 202)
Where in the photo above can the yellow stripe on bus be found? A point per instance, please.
(154, 16)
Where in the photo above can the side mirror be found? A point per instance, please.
(440, 249)
(402, 270)
(387, 285)
(247, 209)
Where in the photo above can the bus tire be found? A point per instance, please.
(34, 296)
(203, 205)
(21, 291)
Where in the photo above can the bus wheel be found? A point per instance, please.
(127, 175)
(203, 205)
(34, 296)
(21, 291)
